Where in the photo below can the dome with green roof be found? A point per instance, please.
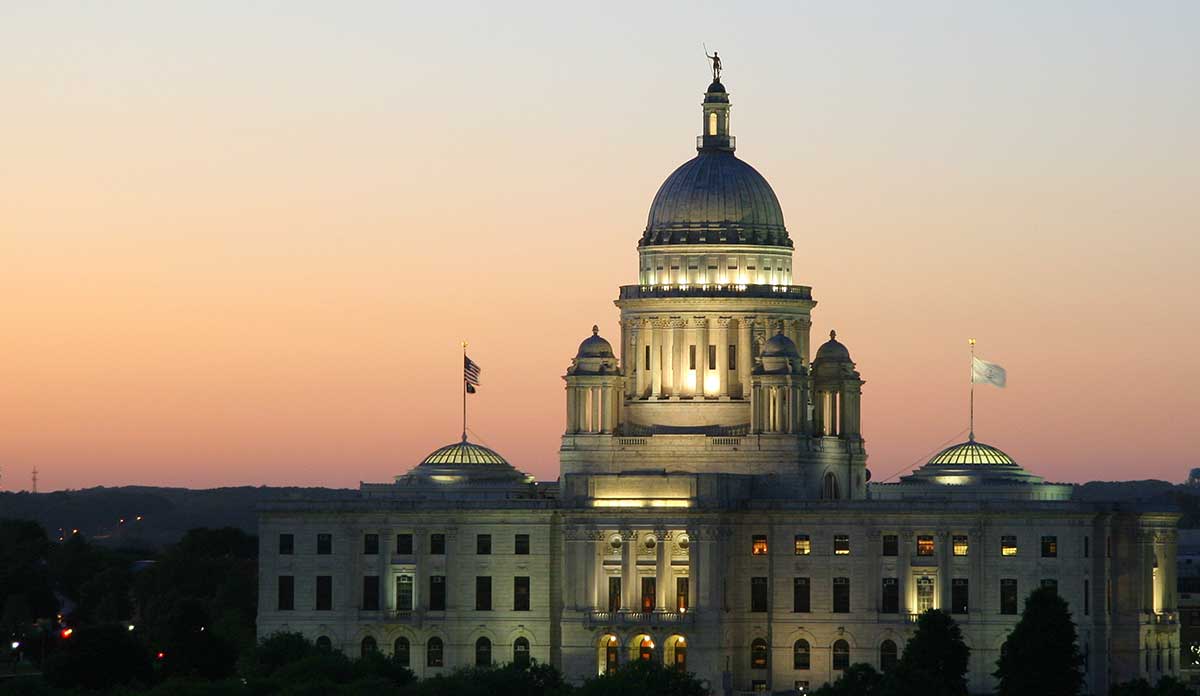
(976, 470)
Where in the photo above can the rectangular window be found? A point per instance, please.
(437, 544)
(371, 544)
(287, 592)
(437, 593)
(801, 596)
(521, 593)
(483, 544)
(287, 544)
(404, 544)
(758, 545)
(758, 594)
(521, 545)
(483, 593)
(732, 357)
(841, 595)
(1049, 547)
(958, 596)
(404, 592)
(891, 545)
(759, 686)
(324, 592)
(681, 594)
(370, 598)
(1050, 583)
(1086, 550)
(890, 598)
(841, 544)
(649, 594)
(925, 545)
(712, 357)
(324, 544)
(691, 357)
(1087, 598)
(959, 544)
(646, 362)
(1008, 545)
(803, 545)
(614, 593)
(1008, 596)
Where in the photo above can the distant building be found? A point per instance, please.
(713, 509)
(1194, 477)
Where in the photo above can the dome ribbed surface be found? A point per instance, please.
(463, 453)
(971, 453)
(716, 198)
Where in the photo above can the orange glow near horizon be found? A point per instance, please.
(242, 247)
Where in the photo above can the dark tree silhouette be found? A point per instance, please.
(1041, 654)
(935, 660)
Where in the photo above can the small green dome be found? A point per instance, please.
(971, 453)
(463, 453)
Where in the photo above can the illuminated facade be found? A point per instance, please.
(713, 509)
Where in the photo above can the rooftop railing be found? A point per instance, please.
(641, 618)
(642, 292)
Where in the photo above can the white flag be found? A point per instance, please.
(984, 372)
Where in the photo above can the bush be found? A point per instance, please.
(99, 657)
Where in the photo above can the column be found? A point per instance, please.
(1168, 572)
(755, 418)
(625, 348)
(586, 555)
(701, 355)
(662, 571)
(656, 377)
(689, 344)
(744, 348)
(678, 356)
(668, 358)
(605, 409)
(723, 357)
(803, 344)
(629, 356)
(629, 595)
(639, 338)
(570, 409)
(944, 575)
(904, 570)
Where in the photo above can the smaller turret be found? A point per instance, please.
(778, 388)
(837, 392)
(594, 387)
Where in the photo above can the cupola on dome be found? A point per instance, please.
(595, 346)
(715, 198)
(832, 350)
(780, 346)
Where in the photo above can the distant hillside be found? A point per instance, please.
(169, 512)
(166, 512)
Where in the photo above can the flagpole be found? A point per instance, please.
(464, 387)
(971, 436)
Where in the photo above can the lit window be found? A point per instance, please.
(960, 544)
(803, 545)
(1008, 546)
(841, 544)
(925, 545)
(758, 654)
(712, 123)
(759, 545)
(1049, 547)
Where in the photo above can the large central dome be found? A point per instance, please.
(716, 198)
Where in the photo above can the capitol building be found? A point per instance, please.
(714, 510)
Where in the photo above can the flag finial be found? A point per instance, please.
(970, 341)
(595, 330)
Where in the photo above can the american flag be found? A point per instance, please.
(470, 374)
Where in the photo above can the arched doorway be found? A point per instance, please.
(368, 646)
(758, 654)
(402, 651)
(645, 648)
(608, 654)
(887, 655)
(841, 655)
(521, 652)
(433, 652)
(483, 653)
(675, 653)
(323, 643)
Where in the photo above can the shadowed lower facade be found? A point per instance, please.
(714, 510)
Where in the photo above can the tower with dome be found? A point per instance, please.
(714, 509)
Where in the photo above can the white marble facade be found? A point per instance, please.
(713, 509)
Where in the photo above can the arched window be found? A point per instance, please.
(433, 652)
(887, 655)
(679, 653)
(801, 655)
(712, 123)
(841, 654)
(829, 487)
(521, 652)
(612, 658)
(483, 652)
(646, 649)
(323, 643)
(758, 654)
(401, 651)
(369, 646)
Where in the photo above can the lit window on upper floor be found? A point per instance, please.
(712, 123)
(1049, 547)
(841, 544)
(803, 545)
(759, 545)
(960, 544)
(925, 545)
(1008, 545)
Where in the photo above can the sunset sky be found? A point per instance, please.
(240, 243)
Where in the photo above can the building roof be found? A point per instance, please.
(461, 453)
(971, 453)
